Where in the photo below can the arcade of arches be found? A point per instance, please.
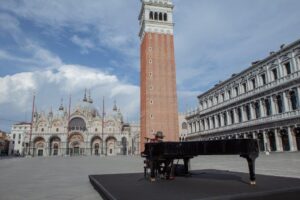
(284, 139)
(77, 146)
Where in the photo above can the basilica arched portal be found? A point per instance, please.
(111, 143)
(55, 146)
(96, 145)
(76, 144)
(39, 146)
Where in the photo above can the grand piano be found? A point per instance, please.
(160, 156)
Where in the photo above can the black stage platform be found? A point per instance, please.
(203, 184)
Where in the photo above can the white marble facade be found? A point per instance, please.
(262, 102)
(84, 132)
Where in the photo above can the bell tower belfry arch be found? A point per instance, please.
(159, 110)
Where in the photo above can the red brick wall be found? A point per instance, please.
(158, 87)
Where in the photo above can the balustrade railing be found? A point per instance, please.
(258, 89)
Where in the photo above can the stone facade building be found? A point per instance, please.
(260, 102)
(83, 132)
(159, 110)
(19, 132)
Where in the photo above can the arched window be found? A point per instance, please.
(257, 111)
(77, 123)
(57, 129)
(219, 120)
(268, 106)
(165, 17)
(42, 130)
(184, 125)
(232, 116)
(151, 15)
(240, 114)
(279, 103)
(225, 118)
(160, 17)
(155, 16)
(248, 113)
(293, 99)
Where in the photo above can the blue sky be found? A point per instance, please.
(60, 47)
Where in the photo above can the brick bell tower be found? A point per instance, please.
(159, 111)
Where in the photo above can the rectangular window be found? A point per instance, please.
(253, 84)
(248, 113)
(222, 96)
(257, 111)
(14, 136)
(236, 91)
(287, 67)
(19, 136)
(232, 116)
(225, 118)
(229, 94)
(263, 79)
(240, 115)
(274, 73)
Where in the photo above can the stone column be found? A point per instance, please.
(205, 124)
(278, 140)
(286, 101)
(292, 139)
(222, 119)
(216, 121)
(294, 63)
(266, 141)
(273, 104)
(210, 123)
(254, 135)
(189, 128)
(236, 117)
(244, 113)
(298, 95)
(268, 75)
(228, 118)
(252, 110)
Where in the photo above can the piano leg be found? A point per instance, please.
(186, 162)
(251, 164)
(152, 164)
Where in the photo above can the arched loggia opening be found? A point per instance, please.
(272, 142)
(261, 141)
(297, 136)
(285, 140)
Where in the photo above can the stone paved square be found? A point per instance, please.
(67, 177)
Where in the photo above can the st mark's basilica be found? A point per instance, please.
(83, 131)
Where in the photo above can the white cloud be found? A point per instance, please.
(52, 84)
(84, 43)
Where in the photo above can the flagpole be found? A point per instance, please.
(102, 127)
(32, 114)
(68, 126)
